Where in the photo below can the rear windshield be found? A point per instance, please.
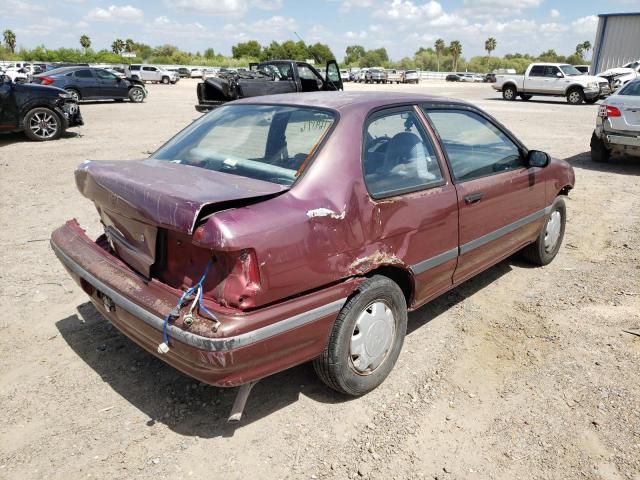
(631, 88)
(265, 142)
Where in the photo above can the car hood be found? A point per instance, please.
(616, 71)
(588, 78)
(167, 194)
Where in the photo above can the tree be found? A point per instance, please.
(320, 52)
(250, 48)
(85, 42)
(586, 46)
(117, 46)
(490, 45)
(129, 45)
(10, 40)
(439, 46)
(456, 50)
(353, 54)
(209, 54)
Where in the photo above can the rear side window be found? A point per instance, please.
(475, 147)
(398, 156)
(85, 73)
(536, 71)
(135, 67)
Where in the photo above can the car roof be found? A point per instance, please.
(344, 101)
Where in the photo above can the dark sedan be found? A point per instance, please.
(453, 77)
(86, 83)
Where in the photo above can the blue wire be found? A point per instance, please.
(196, 288)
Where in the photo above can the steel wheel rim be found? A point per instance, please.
(508, 93)
(137, 94)
(552, 231)
(43, 125)
(372, 337)
(574, 97)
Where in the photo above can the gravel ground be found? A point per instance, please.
(520, 373)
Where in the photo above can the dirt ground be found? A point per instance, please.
(520, 373)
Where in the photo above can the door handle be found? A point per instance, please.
(473, 198)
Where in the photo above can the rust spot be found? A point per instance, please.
(370, 262)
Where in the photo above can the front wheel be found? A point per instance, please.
(136, 95)
(575, 96)
(546, 246)
(366, 338)
(42, 124)
(599, 152)
(74, 93)
(509, 93)
(165, 80)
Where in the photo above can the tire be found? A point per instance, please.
(575, 96)
(509, 93)
(165, 80)
(591, 101)
(339, 367)
(599, 152)
(136, 95)
(42, 124)
(74, 93)
(135, 77)
(546, 246)
(525, 98)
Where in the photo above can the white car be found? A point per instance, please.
(196, 73)
(411, 76)
(620, 76)
(17, 75)
(151, 73)
(553, 79)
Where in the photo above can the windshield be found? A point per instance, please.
(631, 88)
(570, 70)
(264, 142)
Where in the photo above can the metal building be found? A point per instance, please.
(617, 41)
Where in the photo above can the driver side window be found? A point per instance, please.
(398, 156)
(306, 73)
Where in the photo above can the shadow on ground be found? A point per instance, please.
(193, 409)
(619, 164)
(19, 137)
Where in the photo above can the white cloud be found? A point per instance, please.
(46, 26)
(585, 25)
(553, 27)
(494, 8)
(347, 5)
(126, 13)
(209, 7)
(553, 13)
(274, 23)
(429, 13)
(18, 7)
(268, 4)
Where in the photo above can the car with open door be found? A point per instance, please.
(281, 229)
(42, 113)
(266, 78)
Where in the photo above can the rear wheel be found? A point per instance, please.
(74, 93)
(575, 96)
(509, 93)
(546, 246)
(599, 152)
(42, 124)
(136, 94)
(366, 338)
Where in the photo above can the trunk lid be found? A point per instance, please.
(135, 198)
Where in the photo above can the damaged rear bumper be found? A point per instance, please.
(248, 346)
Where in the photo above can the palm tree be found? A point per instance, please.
(586, 46)
(490, 45)
(117, 46)
(10, 40)
(456, 49)
(439, 44)
(128, 45)
(85, 42)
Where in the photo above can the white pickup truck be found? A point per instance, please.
(554, 79)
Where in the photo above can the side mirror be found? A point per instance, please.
(537, 158)
(559, 75)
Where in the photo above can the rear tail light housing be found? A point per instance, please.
(607, 111)
(46, 80)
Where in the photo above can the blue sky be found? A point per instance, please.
(402, 26)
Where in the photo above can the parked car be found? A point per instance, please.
(553, 79)
(411, 76)
(195, 73)
(375, 75)
(86, 83)
(288, 228)
(184, 72)
(617, 77)
(453, 77)
(274, 76)
(151, 73)
(344, 74)
(17, 75)
(42, 113)
(361, 76)
(394, 76)
(618, 124)
(490, 78)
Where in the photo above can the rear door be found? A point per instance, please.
(8, 110)
(86, 83)
(535, 82)
(150, 74)
(501, 201)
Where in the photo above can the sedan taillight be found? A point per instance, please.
(608, 111)
(46, 80)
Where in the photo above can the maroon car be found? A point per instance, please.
(281, 229)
